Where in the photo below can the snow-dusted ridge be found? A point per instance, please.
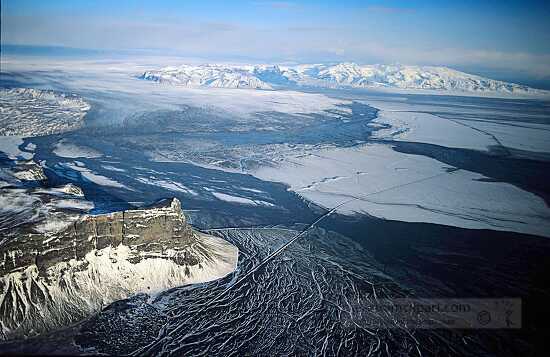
(341, 75)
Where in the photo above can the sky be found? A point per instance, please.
(508, 40)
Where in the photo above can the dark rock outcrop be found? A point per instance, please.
(150, 231)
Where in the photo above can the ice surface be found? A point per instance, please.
(515, 134)
(249, 102)
(112, 168)
(387, 184)
(242, 200)
(66, 149)
(32, 112)
(170, 185)
(94, 177)
(431, 129)
(9, 145)
(466, 126)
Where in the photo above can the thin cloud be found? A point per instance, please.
(312, 29)
(390, 9)
(314, 42)
(278, 5)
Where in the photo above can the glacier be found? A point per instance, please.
(30, 112)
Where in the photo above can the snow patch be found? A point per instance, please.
(241, 200)
(64, 148)
(94, 177)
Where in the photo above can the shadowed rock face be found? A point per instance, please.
(149, 231)
(50, 280)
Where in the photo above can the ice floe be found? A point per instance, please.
(241, 200)
(170, 185)
(94, 177)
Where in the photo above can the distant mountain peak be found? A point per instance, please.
(339, 75)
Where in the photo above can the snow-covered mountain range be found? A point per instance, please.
(208, 76)
(341, 75)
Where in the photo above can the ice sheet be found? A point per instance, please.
(387, 184)
(431, 129)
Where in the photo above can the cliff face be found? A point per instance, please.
(151, 231)
(53, 279)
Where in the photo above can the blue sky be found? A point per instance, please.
(507, 38)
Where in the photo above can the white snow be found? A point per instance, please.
(68, 189)
(76, 289)
(94, 177)
(74, 204)
(241, 200)
(33, 112)
(9, 145)
(64, 148)
(218, 76)
(336, 76)
(431, 129)
(396, 186)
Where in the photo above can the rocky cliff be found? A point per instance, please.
(151, 231)
(58, 267)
